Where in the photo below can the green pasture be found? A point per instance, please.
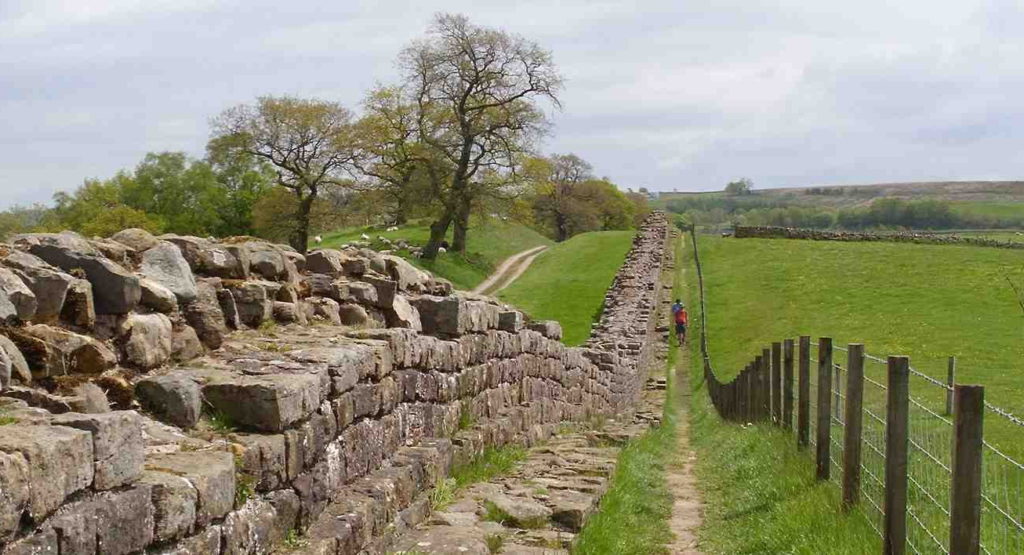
(568, 281)
(928, 302)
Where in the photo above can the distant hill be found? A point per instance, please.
(853, 195)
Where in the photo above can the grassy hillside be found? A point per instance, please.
(489, 242)
(567, 282)
(928, 302)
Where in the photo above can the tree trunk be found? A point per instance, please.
(561, 227)
(438, 230)
(461, 225)
(299, 239)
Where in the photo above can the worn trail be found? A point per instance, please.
(508, 271)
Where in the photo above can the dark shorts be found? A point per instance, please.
(680, 328)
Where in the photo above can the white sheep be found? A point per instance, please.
(393, 228)
(318, 239)
(441, 250)
(365, 237)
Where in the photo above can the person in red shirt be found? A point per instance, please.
(681, 319)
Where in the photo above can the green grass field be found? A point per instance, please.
(568, 281)
(1006, 210)
(488, 243)
(759, 491)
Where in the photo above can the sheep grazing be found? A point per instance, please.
(364, 237)
(393, 228)
(318, 239)
(441, 250)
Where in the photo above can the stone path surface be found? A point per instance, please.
(508, 271)
(544, 502)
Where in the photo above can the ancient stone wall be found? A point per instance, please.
(769, 232)
(184, 395)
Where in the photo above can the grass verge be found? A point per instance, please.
(568, 281)
(633, 516)
(493, 462)
(760, 495)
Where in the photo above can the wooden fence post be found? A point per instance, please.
(897, 418)
(748, 393)
(823, 437)
(965, 496)
(766, 385)
(950, 381)
(803, 411)
(787, 384)
(853, 425)
(777, 383)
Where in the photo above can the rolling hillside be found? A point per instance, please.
(490, 241)
(567, 282)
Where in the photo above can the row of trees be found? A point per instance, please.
(888, 213)
(456, 135)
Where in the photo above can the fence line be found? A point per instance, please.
(903, 448)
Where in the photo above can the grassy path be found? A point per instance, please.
(688, 504)
(508, 271)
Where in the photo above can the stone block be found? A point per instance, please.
(211, 473)
(268, 403)
(548, 328)
(173, 398)
(254, 307)
(510, 321)
(165, 265)
(147, 340)
(205, 315)
(117, 445)
(115, 290)
(174, 502)
(60, 462)
(14, 492)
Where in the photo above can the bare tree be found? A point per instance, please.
(476, 91)
(309, 143)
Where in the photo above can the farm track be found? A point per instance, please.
(687, 504)
(508, 271)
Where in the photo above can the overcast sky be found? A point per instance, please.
(665, 94)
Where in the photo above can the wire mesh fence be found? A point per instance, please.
(929, 490)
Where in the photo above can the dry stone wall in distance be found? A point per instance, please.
(771, 232)
(191, 396)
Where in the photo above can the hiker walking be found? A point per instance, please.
(681, 319)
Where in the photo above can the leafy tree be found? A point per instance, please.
(558, 195)
(183, 193)
(244, 179)
(22, 219)
(96, 209)
(742, 186)
(475, 91)
(308, 142)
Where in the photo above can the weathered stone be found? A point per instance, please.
(326, 309)
(363, 293)
(79, 308)
(40, 543)
(211, 473)
(118, 252)
(174, 502)
(138, 239)
(204, 257)
(157, 297)
(407, 275)
(117, 445)
(5, 370)
(19, 366)
(205, 315)
(288, 313)
(548, 328)
(510, 321)
(266, 260)
(88, 398)
(520, 511)
(264, 457)
(253, 305)
(60, 462)
(15, 290)
(269, 403)
(48, 284)
(354, 315)
(446, 539)
(14, 492)
(147, 340)
(401, 314)
(229, 308)
(185, 343)
(164, 264)
(326, 261)
(57, 351)
(115, 290)
(118, 523)
(8, 312)
(440, 316)
(173, 398)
